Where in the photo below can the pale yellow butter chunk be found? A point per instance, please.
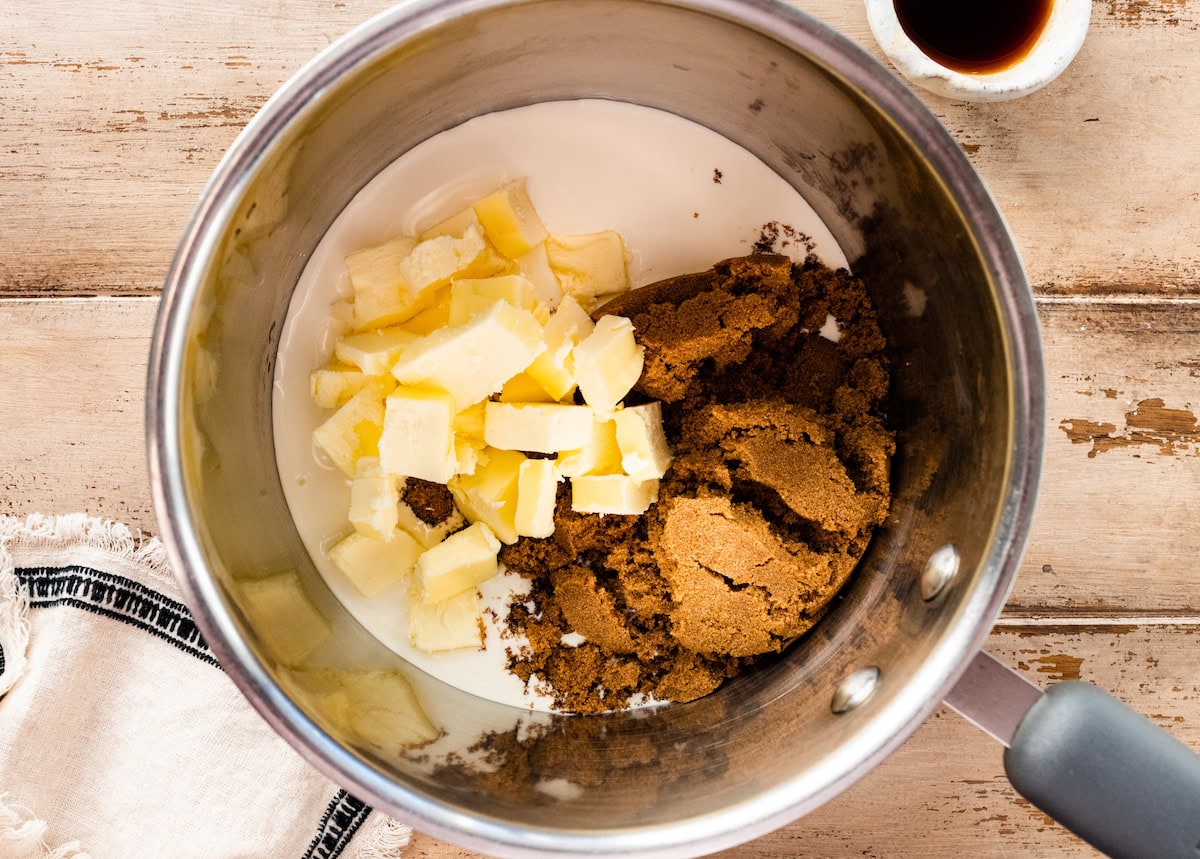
(332, 386)
(373, 352)
(433, 317)
(537, 485)
(434, 261)
(427, 535)
(645, 453)
(469, 296)
(373, 566)
(599, 455)
(455, 225)
(468, 438)
(379, 707)
(464, 560)
(535, 266)
(418, 434)
(490, 494)
(589, 265)
(472, 361)
(541, 427)
(452, 624)
(374, 500)
(510, 221)
(613, 493)
(523, 388)
(608, 363)
(352, 432)
(382, 294)
(281, 612)
(554, 369)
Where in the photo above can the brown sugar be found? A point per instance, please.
(780, 475)
(431, 502)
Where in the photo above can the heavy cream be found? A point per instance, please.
(682, 196)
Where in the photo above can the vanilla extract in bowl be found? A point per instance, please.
(977, 37)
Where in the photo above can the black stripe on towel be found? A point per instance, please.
(342, 819)
(128, 601)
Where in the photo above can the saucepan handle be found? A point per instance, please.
(1107, 773)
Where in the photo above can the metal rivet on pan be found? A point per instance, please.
(855, 690)
(940, 570)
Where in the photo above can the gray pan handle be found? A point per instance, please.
(1108, 774)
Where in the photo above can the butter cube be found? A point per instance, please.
(379, 707)
(352, 432)
(490, 494)
(451, 624)
(436, 316)
(472, 361)
(465, 559)
(535, 266)
(469, 296)
(613, 493)
(589, 265)
(600, 454)
(281, 612)
(455, 225)
(418, 434)
(541, 427)
(645, 453)
(373, 566)
(468, 439)
(554, 369)
(374, 499)
(608, 363)
(537, 485)
(427, 535)
(381, 294)
(434, 261)
(332, 386)
(373, 352)
(510, 221)
(523, 388)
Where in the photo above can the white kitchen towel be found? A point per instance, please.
(120, 735)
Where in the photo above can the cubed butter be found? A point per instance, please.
(608, 363)
(381, 294)
(523, 388)
(490, 494)
(599, 455)
(373, 566)
(535, 265)
(451, 624)
(541, 427)
(645, 453)
(554, 369)
(464, 560)
(379, 707)
(472, 361)
(433, 317)
(374, 500)
(352, 432)
(613, 493)
(454, 226)
(418, 434)
(334, 385)
(374, 351)
(281, 612)
(510, 221)
(434, 261)
(468, 439)
(589, 265)
(537, 486)
(469, 296)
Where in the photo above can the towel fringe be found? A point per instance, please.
(383, 838)
(14, 620)
(23, 835)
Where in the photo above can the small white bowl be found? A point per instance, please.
(1058, 44)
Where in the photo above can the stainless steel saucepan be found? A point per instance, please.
(919, 227)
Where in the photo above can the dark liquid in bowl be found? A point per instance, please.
(974, 36)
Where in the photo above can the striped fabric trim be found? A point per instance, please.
(128, 601)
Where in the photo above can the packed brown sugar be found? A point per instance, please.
(780, 475)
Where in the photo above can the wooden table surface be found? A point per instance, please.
(114, 112)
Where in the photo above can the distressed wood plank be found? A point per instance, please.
(116, 113)
(944, 793)
(1114, 532)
